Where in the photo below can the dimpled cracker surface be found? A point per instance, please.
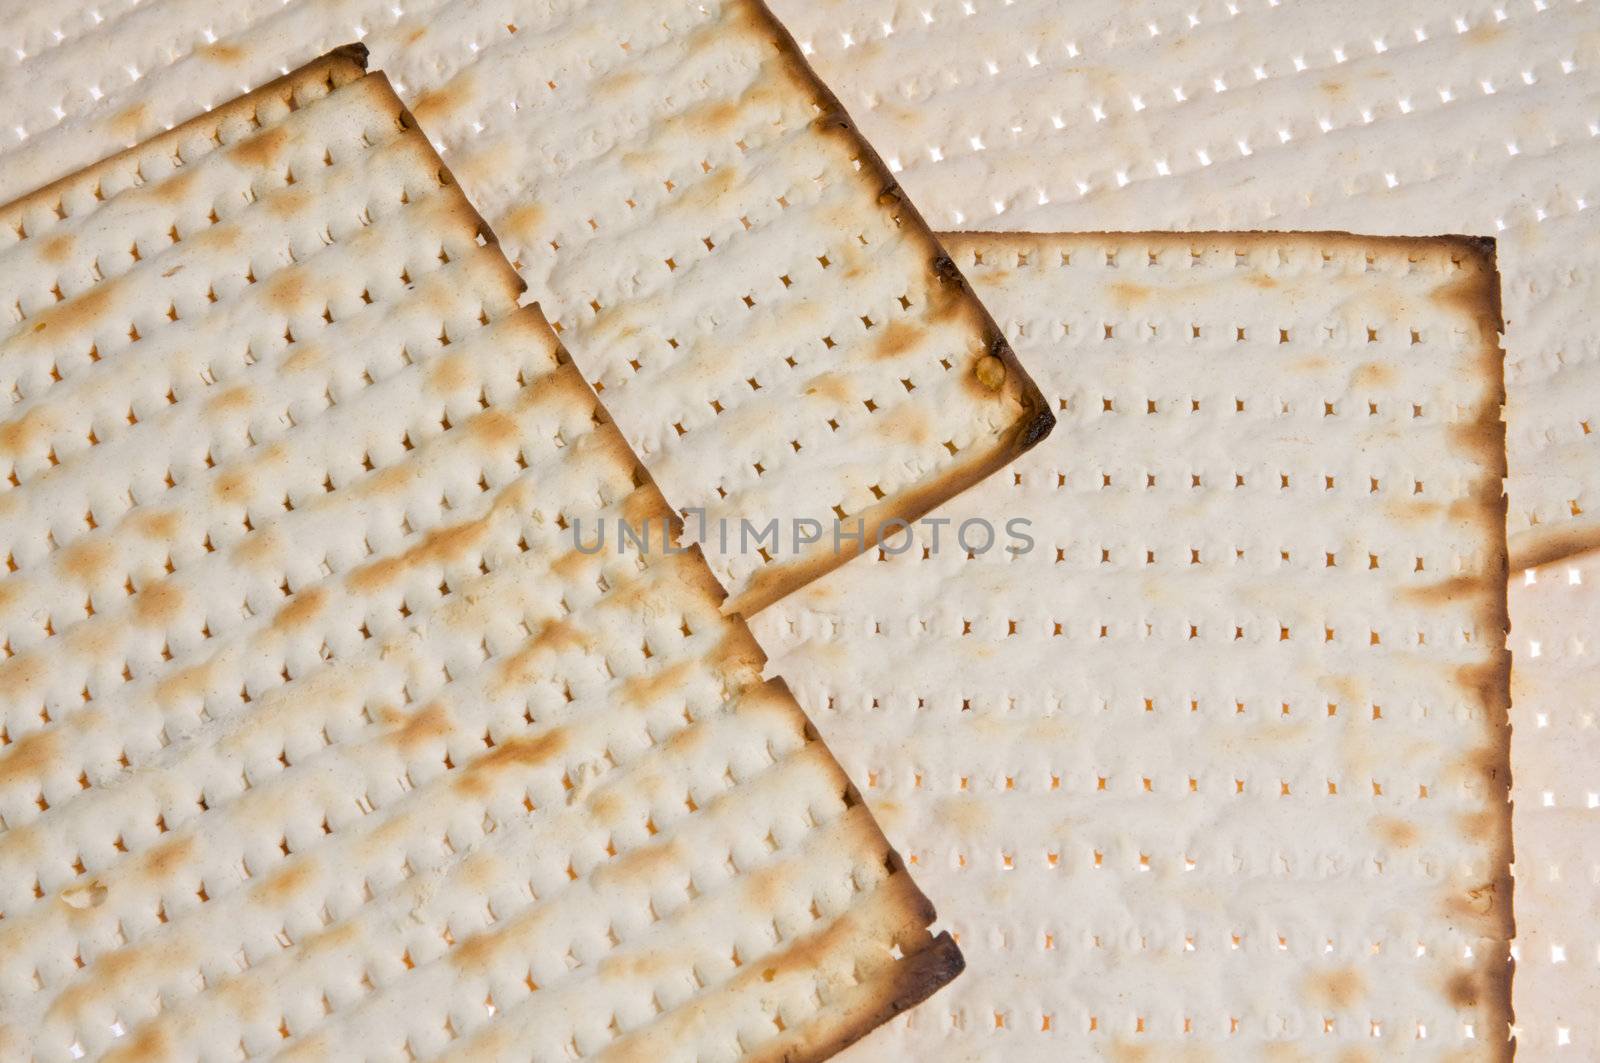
(1217, 769)
(320, 738)
(1409, 118)
(1555, 699)
(772, 326)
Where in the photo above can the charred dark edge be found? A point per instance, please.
(415, 131)
(1483, 249)
(873, 166)
(1566, 543)
(1500, 981)
(915, 979)
(355, 52)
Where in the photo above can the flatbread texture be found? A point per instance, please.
(1403, 117)
(775, 330)
(1555, 699)
(1218, 768)
(1406, 118)
(320, 737)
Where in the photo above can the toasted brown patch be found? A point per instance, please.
(88, 559)
(159, 604)
(161, 525)
(437, 107)
(80, 313)
(57, 249)
(30, 755)
(419, 729)
(1373, 375)
(477, 778)
(898, 337)
(301, 610)
(287, 291)
(1341, 987)
(1125, 294)
(25, 433)
(130, 122)
(225, 53)
(1395, 832)
(261, 151)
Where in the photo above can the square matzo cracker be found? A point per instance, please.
(775, 330)
(1217, 768)
(319, 735)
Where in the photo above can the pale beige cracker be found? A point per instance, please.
(774, 328)
(1217, 769)
(1409, 118)
(1555, 701)
(320, 735)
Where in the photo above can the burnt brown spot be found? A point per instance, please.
(477, 778)
(418, 729)
(88, 560)
(571, 564)
(262, 150)
(162, 864)
(285, 882)
(435, 108)
(495, 429)
(908, 423)
(159, 604)
(1547, 545)
(173, 190)
(80, 313)
(1125, 294)
(990, 372)
(288, 203)
(161, 525)
(451, 372)
(526, 220)
(555, 636)
(1395, 832)
(640, 863)
(149, 1041)
(1462, 990)
(29, 756)
(301, 610)
(440, 546)
(224, 53)
(286, 292)
(477, 953)
(834, 387)
(130, 123)
(1373, 375)
(56, 249)
(184, 685)
(898, 338)
(26, 432)
(645, 690)
(234, 398)
(231, 486)
(1444, 592)
(1490, 684)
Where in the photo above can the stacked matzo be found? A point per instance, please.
(773, 327)
(1408, 118)
(319, 735)
(1217, 770)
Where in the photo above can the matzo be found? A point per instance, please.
(774, 329)
(1409, 118)
(1217, 770)
(319, 735)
